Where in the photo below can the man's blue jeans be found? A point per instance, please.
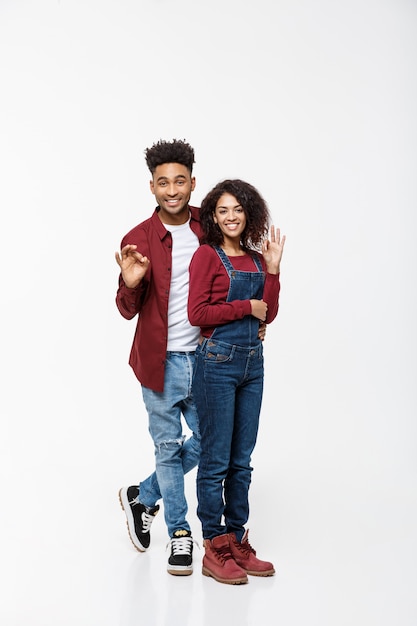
(174, 454)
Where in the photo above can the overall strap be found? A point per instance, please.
(224, 259)
(227, 264)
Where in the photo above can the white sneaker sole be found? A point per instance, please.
(130, 522)
(180, 570)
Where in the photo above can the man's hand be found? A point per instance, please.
(262, 331)
(133, 265)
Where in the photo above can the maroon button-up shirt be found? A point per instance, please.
(149, 300)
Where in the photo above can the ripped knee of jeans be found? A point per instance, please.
(172, 444)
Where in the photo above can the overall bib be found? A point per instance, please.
(227, 390)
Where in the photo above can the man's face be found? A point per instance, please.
(172, 185)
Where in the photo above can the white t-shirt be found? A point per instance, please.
(182, 337)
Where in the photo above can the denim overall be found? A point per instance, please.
(227, 390)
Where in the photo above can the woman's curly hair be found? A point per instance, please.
(175, 151)
(255, 208)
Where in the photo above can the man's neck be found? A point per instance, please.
(175, 220)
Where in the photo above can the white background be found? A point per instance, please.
(313, 102)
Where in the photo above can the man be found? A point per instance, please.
(153, 285)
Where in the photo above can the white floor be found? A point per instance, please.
(344, 556)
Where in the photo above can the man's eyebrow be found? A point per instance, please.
(175, 178)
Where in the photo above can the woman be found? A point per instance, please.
(233, 286)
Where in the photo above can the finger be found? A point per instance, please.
(278, 235)
(137, 256)
(129, 247)
(130, 252)
(272, 233)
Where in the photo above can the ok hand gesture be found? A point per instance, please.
(133, 265)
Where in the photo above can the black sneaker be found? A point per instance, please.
(180, 563)
(139, 517)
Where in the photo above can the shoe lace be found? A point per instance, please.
(181, 545)
(147, 519)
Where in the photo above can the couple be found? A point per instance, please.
(202, 283)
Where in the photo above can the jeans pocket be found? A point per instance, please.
(218, 353)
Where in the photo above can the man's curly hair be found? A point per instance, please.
(175, 151)
(255, 208)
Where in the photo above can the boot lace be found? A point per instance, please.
(223, 553)
(244, 547)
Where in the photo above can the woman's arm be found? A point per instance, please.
(209, 285)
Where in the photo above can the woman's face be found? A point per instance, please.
(230, 217)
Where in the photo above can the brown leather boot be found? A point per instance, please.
(219, 563)
(245, 557)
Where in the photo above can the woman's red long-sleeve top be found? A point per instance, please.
(209, 286)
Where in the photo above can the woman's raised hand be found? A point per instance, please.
(272, 250)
